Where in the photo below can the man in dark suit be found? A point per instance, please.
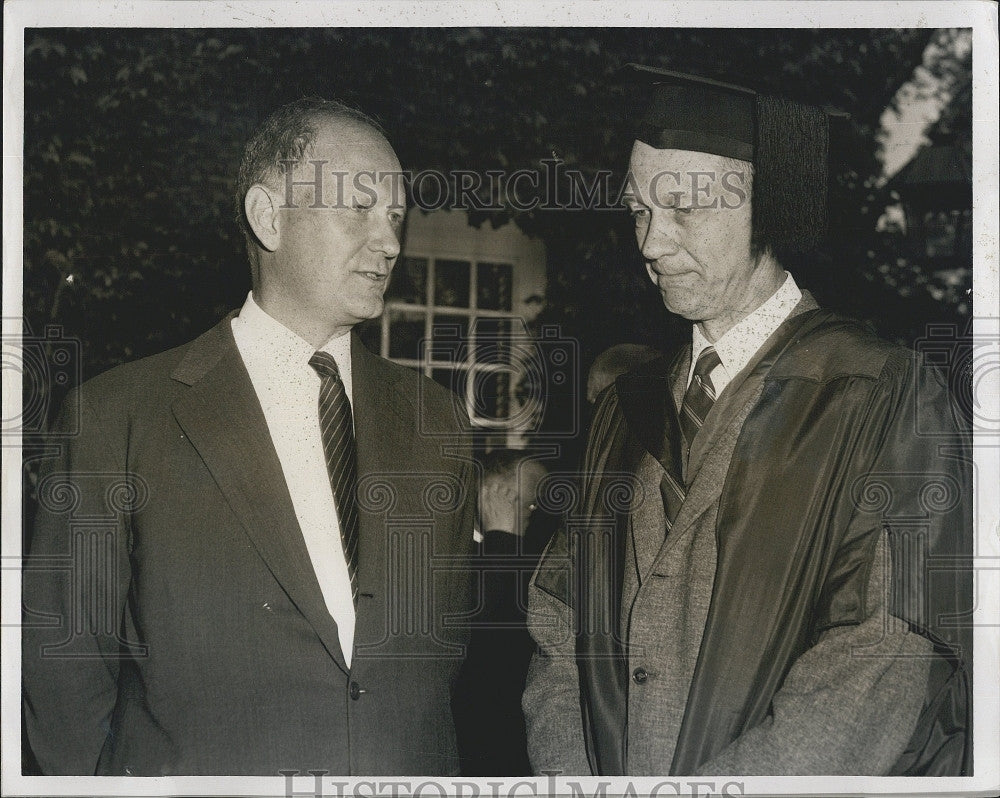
(246, 560)
(488, 713)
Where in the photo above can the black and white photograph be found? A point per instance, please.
(494, 400)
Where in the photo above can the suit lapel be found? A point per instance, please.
(678, 379)
(731, 400)
(648, 521)
(709, 459)
(385, 426)
(222, 418)
(649, 404)
(707, 483)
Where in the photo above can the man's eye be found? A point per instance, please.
(638, 213)
(683, 210)
(362, 205)
(396, 218)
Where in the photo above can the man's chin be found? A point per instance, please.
(679, 307)
(371, 309)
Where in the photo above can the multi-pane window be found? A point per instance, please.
(452, 320)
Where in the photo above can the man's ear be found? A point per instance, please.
(261, 207)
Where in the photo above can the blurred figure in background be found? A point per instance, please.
(488, 715)
(613, 362)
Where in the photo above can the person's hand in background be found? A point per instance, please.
(498, 506)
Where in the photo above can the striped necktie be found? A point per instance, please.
(698, 401)
(700, 396)
(337, 430)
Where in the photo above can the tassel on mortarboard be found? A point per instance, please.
(790, 176)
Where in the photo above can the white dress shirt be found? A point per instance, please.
(742, 341)
(288, 389)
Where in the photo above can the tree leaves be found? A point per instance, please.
(133, 137)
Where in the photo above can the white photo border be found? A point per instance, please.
(981, 17)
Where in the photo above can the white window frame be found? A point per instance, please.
(430, 309)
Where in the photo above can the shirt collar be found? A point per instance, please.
(742, 341)
(284, 349)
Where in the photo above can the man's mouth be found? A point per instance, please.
(375, 277)
(669, 273)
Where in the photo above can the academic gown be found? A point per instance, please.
(840, 441)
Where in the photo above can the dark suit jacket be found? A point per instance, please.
(174, 623)
(488, 715)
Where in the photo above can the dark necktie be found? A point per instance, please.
(698, 401)
(337, 430)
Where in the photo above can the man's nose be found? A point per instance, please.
(384, 238)
(660, 239)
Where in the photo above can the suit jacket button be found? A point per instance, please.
(639, 676)
(356, 691)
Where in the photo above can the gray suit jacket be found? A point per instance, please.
(174, 623)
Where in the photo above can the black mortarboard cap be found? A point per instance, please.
(673, 110)
(787, 142)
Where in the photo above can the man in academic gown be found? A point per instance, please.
(766, 572)
(246, 558)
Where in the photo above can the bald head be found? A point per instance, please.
(288, 135)
(325, 222)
